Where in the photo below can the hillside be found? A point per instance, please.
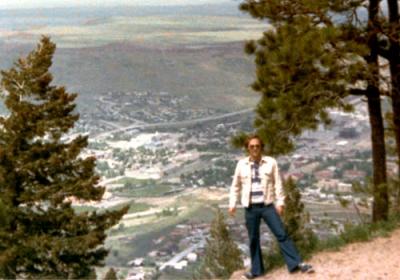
(376, 259)
(214, 76)
(195, 52)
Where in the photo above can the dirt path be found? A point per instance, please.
(377, 259)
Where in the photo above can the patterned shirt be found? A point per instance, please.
(257, 192)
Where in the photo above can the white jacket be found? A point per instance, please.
(270, 180)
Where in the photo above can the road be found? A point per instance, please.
(173, 124)
(178, 257)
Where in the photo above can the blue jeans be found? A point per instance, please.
(253, 216)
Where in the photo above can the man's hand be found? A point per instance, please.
(279, 209)
(232, 211)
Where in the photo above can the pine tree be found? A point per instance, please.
(222, 255)
(41, 173)
(317, 54)
(295, 219)
(111, 275)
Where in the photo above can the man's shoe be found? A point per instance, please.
(305, 268)
(249, 275)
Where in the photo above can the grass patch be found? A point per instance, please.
(138, 207)
(360, 233)
(153, 190)
(134, 207)
(196, 213)
(84, 208)
(142, 188)
(135, 181)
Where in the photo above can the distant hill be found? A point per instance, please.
(215, 75)
(184, 50)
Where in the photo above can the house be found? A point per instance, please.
(354, 174)
(328, 184)
(325, 174)
(294, 175)
(344, 187)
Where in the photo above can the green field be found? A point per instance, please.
(142, 188)
(134, 207)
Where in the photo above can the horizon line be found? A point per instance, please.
(110, 5)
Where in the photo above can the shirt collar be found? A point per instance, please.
(263, 160)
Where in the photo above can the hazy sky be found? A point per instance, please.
(18, 4)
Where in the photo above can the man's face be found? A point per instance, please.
(254, 148)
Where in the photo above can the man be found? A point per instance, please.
(257, 182)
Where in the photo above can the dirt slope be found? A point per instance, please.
(376, 259)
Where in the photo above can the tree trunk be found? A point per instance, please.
(380, 188)
(394, 60)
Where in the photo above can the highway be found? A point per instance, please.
(173, 124)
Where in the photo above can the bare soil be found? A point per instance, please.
(376, 259)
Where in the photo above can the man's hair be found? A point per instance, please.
(251, 137)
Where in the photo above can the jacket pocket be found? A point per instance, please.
(266, 178)
(244, 179)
